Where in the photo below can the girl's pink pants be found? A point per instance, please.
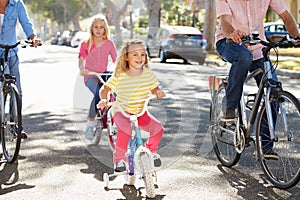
(147, 123)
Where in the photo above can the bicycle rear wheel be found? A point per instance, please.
(147, 174)
(11, 125)
(285, 171)
(223, 141)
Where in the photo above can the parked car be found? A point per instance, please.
(69, 38)
(54, 39)
(62, 40)
(181, 42)
(274, 32)
(78, 38)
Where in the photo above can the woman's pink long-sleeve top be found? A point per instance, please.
(96, 59)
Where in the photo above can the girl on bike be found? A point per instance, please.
(132, 82)
(93, 57)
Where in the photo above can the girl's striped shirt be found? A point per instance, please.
(132, 92)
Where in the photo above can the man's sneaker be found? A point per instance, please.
(270, 154)
(120, 166)
(156, 160)
(23, 135)
(228, 115)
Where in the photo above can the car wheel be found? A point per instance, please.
(162, 56)
(201, 61)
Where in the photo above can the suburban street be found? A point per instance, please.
(57, 163)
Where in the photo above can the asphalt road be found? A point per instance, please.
(56, 162)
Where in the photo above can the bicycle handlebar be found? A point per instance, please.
(99, 75)
(139, 114)
(286, 42)
(23, 43)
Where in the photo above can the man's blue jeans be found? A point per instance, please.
(241, 60)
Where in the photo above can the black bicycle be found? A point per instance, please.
(10, 107)
(276, 113)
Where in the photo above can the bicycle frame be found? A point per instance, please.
(136, 146)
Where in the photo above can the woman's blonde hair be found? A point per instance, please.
(122, 62)
(95, 19)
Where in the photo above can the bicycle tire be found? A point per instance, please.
(283, 173)
(147, 174)
(97, 135)
(97, 130)
(223, 142)
(111, 131)
(11, 125)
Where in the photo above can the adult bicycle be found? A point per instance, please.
(276, 113)
(140, 160)
(10, 107)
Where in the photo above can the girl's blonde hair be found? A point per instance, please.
(122, 63)
(95, 19)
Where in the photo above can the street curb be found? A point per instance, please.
(288, 73)
(280, 72)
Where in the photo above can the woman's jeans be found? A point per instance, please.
(94, 85)
(241, 60)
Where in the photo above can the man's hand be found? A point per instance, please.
(236, 36)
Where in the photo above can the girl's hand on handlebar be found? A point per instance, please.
(160, 94)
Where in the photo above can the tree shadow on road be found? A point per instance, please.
(253, 189)
(9, 176)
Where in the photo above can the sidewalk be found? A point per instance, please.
(280, 72)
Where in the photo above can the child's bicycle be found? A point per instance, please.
(102, 120)
(139, 158)
(277, 111)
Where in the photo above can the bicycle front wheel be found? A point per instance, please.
(284, 170)
(222, 141)
(11, 125)
(98, 129)
(147, 174)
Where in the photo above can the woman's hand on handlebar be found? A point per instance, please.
(102, 103)
(84, 72)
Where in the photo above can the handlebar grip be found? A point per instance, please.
(229, 41)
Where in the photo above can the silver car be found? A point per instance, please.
(180, 42)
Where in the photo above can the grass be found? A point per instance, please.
(283, 64)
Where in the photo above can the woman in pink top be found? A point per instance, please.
(93, 57)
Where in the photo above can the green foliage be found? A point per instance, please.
(143, 22)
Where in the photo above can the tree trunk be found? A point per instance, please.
(210, 24)
(153, 8)
(95, 7)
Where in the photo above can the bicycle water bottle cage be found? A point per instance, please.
(275, 84)
(250, 100)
